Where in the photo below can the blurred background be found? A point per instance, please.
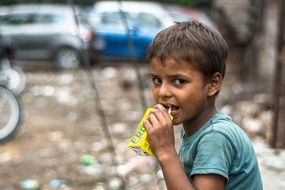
(74, 83)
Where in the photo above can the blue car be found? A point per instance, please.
(127, 32)
(122, 37)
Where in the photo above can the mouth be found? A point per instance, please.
(173, 110)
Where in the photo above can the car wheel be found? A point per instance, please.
(67, 58)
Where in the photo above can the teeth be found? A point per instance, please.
(169, 110)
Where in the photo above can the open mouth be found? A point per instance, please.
(171, 109)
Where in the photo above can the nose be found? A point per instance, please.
(164, 90)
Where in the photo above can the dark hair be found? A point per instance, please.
(194, 42)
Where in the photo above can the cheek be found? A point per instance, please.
(190, 98)
(155, 94)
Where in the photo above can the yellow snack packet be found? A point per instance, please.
(138, 141)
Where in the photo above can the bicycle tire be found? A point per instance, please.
(10, 114)
(17, 80)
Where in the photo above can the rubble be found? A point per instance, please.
(62, 144)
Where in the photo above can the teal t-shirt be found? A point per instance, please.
(221, 147)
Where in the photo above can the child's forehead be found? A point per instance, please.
(166, 61)
(170, 64)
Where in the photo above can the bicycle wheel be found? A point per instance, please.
(10, 114)
(17, 80)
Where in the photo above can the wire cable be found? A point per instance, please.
(133, 56)
(97, 99)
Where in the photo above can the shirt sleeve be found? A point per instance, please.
(214, 155)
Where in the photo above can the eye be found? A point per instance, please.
(179, 82)
(156, 81)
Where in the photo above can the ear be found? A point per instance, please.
(215, 84)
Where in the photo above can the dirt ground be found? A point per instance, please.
(64, 141)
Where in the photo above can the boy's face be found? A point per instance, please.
(182, 87)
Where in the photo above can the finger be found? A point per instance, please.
(160, 106)
(163, 111)
(147, 125)
(159, 115)
(153, 119)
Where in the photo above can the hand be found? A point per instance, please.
(160, 132)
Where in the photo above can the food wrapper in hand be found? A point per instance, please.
(138, 141)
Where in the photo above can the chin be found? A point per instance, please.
(176, 122)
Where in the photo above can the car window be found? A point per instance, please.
(48, 19)
(113, 19)
(116, 19)
(109, 20)
(24, 19)
(105, 20)
(16, 19)
(82, 18)
(149, 20)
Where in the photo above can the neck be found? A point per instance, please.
(198, 121)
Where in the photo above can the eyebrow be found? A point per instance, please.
(169, 76)
(153, 75)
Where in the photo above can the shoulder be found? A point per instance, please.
(223, 125)
(225, 134)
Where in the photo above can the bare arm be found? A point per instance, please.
(161, 138)
(174, 175)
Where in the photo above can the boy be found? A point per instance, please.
(188, 67)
